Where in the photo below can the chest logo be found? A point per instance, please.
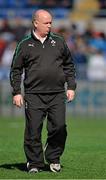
(31, 45)
(53, 43)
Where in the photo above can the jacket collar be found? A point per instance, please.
(34, 37)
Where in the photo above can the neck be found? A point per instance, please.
(39, 34)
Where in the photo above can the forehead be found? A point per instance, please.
(45, 19)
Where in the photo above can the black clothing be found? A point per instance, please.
(47, 66)
(37, 107)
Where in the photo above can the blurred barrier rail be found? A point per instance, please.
(90, 100)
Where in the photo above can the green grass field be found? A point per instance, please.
(84, 156)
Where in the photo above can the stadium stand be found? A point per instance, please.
(85, 37)
(82, 42)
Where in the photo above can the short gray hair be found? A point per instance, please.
(33, 16)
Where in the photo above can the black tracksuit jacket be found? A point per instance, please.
(46, 66)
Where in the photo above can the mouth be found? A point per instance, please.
(48, 31)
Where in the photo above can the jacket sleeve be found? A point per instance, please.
(69, 68)
(16, 70)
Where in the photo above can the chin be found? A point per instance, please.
(47, 32)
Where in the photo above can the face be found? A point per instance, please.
(43, 24)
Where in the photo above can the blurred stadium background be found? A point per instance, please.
(83, 25)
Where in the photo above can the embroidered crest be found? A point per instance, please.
(53, 42)
(31, 44)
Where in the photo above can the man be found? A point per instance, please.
(47, 64)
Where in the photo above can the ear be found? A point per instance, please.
(35, 23)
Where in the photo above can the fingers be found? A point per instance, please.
(18, 103)
(70, 95)
(18, 100)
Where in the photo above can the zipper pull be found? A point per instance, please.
(43, 46)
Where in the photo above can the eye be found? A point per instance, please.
(48, 23)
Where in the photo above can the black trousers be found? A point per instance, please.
(37, 107)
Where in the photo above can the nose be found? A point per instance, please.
(49, 25)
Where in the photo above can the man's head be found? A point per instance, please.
(42, 21)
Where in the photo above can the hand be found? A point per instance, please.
(18, 100)
(70, 95)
